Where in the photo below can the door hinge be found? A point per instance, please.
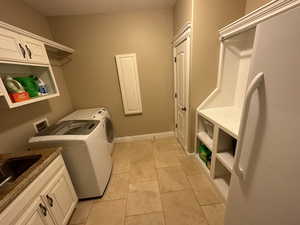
(176, 125)
(175, 59)
(175, 95)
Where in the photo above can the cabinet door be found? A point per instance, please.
(35, 51)
(10, 47)
(36, 214)
(61, 197)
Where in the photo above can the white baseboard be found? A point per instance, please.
(152, 136)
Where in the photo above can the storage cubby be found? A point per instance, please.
(206, 166)
(21, 70)
(222, 178)
(205, 132)
(226, 149)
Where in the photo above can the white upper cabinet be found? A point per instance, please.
(129, 83)
(18, 48)
(24, 54)
(35, 51)
(11, 48)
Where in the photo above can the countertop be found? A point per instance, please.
(10, 191)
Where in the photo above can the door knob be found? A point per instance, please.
(183, 109)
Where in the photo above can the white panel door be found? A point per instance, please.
(129, 83)
(10, 47)
(60, 197)
(265, 185)
(36, 214)
(35, 51)
(181, 91)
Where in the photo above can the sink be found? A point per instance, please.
(12, 168)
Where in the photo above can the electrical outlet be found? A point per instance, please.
(40, 125)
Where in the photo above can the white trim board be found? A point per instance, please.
(151, 136)
(259, 15)
(184, 28)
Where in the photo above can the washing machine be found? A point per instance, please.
(85, 151)
(96, 114)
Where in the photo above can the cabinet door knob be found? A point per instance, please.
(50, 200)
(43, 209)
(29, 51)
(22, 50)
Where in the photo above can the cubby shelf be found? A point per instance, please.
(203, 137)
(226, 158)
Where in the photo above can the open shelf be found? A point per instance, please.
(226, 159)
(222, 178)
(43, 72)
(207, 141)
(33, 100)
(226, 149)
(205, 132)
(227, 118)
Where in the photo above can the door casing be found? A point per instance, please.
(185, 36)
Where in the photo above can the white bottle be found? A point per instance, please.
(42, 86)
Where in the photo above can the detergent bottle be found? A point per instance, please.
(12, 85)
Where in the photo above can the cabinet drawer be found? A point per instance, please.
(24, 200)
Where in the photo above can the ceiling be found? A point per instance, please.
(81, 7)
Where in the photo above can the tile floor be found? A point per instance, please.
(153, 183)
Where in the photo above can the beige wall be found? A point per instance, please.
(19, 14)
(16, 124)
(254, 4)
(92, 75)
(182, 14)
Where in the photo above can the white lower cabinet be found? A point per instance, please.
(60, 197)
(49, 200)
(36, 214)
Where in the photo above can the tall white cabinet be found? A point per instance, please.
(218, 118)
